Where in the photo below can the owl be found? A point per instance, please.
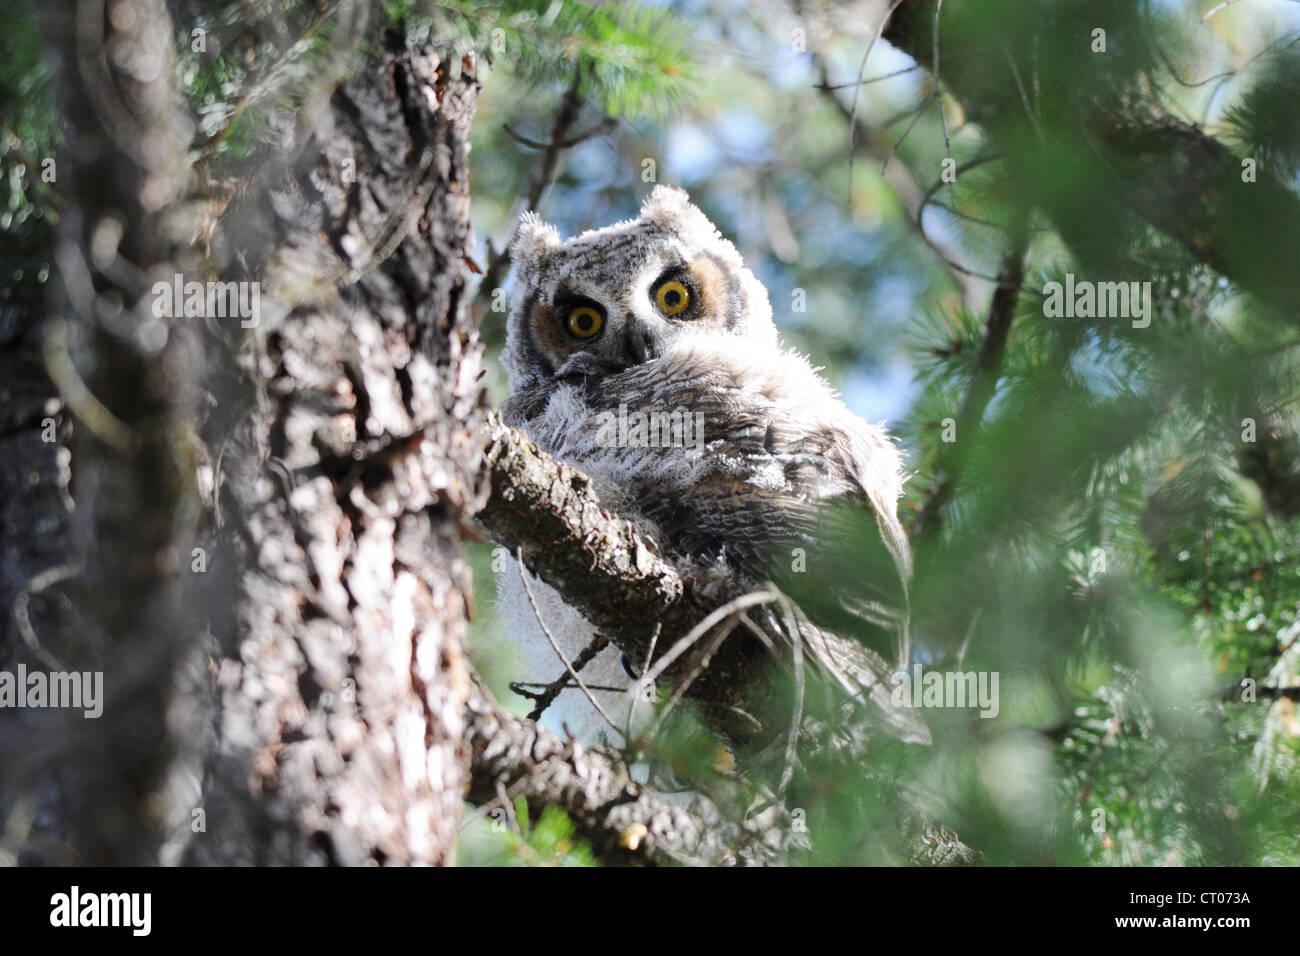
(645, 355)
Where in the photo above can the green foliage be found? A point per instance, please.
(1123, 542)
(633, 59)
(236, 64)
(1264, 118)
(548, 842)
(1111, 546)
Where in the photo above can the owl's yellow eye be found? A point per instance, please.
(673, 297)
(584, 321)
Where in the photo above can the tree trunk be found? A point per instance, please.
(267, 506)
(341, 672)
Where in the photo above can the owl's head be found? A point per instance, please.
(622, 295)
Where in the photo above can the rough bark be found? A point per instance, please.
(342, 676)
(295, 691)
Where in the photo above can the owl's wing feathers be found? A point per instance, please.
(865, 676)
(783, 465)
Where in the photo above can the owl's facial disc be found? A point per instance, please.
(597, 346)
(623, 295)
(586, 331)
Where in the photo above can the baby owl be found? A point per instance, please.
(645, 355)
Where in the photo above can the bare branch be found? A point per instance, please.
(558, 140)
(573, 671)
(1170, 173)
(546, 696)
(873, 142)
(622, 820)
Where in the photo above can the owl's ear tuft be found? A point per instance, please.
(533, 237)
(671, 208)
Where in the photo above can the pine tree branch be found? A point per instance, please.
(873, 142)
(624, 821)
(1169, 173)
(558, 139)
(983, 382)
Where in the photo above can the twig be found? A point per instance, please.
(1024, 96)
(635, 696)
(36, 585)
(796, 718)
(916, 118)
(1216, 9)
(920, 223)
(857, 88)
(552, 690)
(503, 800)
(604, 126)
(557, 141)
(701, 663)
(900, 180)
(938, 95)
(753, 599)
(970, 632)
(988, 365)
(520, 686)
(826, 86)
(523, 576)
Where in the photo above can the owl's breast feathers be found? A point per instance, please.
(775, 488)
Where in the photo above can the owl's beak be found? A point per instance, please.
(638, 344)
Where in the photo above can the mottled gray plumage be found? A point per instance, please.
(753, 443)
